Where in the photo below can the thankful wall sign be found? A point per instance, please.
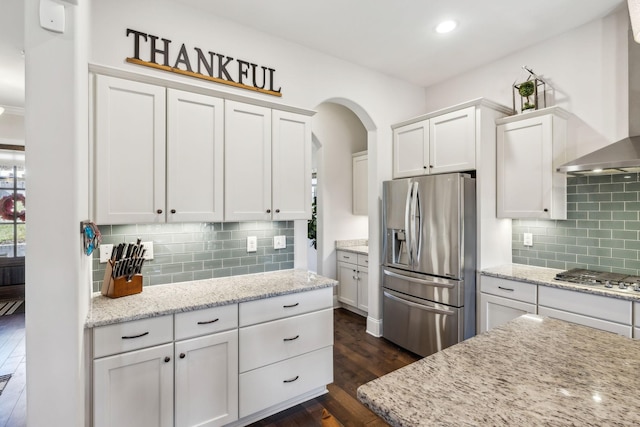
(160, 54)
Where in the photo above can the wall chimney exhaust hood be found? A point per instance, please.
(624, 155)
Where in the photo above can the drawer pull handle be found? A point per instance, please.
(135, 336)
(292, 339)
(292, 379)
(208, 321)
(346, 257)
(506, 289)
(291, 305)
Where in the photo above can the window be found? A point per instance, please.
(12, 204)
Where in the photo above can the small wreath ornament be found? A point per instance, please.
(8, 206)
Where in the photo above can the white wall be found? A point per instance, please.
(587, 68)
(58, 274)
(340, 133)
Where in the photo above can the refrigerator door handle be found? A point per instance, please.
(416, 280)
(421, 306)
(407, 214)
(417, 225)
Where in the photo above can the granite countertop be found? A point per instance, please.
(159, 300)
(545, 276)
(530, 371)
(357, 246)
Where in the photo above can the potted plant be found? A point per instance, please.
(525, 90)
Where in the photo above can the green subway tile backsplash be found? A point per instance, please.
(601, 231)
(196, 251)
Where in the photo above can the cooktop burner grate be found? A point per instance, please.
(584, 276)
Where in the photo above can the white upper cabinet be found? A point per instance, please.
(437, 143)
(360, 164)
(452, 139)
(247, 162)
(529, 149)
(291, 161)
(411, 149)
(267, 164)
(195, 162)
(129, 151)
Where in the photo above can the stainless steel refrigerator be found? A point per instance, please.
(429, 261)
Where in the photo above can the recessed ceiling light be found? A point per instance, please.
(446, 26)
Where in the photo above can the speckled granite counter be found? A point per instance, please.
(177, 297)
(358, 246)
(545, 276)
(531, 371)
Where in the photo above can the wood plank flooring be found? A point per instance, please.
(13, 408)
(358, 358)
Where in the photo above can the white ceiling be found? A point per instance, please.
(395, 37)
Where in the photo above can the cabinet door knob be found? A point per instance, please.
(268, 210)
(277, 210)
(159, 211)
(424, 167)
(546, 210)
(167, 359)
(431, 166)
(173, 211)
(182, 355)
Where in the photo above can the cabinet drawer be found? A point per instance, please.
(363, 260)
(206, 321)
(127, 336)
(519, 291)
(605, 308)
(267, 309)
(282, 339)
(349, 257)
(592, 322)
(274, 384)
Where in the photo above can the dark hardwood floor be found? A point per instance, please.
(358, 358)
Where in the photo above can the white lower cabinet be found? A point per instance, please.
(636, 320)
(503, 300)
(206, 382)
(353, 275)
(284, 358)
(134, 389)
(600, 312)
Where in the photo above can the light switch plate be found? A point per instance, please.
(105, 252)
(527, 239)
(149, 249)
(279, 242)
(252, 244)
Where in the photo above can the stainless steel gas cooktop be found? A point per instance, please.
(600, 278)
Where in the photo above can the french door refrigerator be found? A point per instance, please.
(429, 261)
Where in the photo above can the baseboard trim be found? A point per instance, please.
(374, 327)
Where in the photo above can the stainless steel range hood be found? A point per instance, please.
(619, 157)
(624, 155)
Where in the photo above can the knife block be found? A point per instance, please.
(119, 286)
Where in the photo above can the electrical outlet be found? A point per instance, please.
(252, 243)
(148, 246)
(527, 239)
(105, 252)
(279, 242)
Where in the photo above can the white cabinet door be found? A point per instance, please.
(206, 389)
(363, 288)
(496, 311)
(291, 162)
(129, 152)
(134, 389)
(247, 167)
(360, 171)
(452, 141)
(411, 150)
(195, 144)
(348, 283)
(528, 150)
